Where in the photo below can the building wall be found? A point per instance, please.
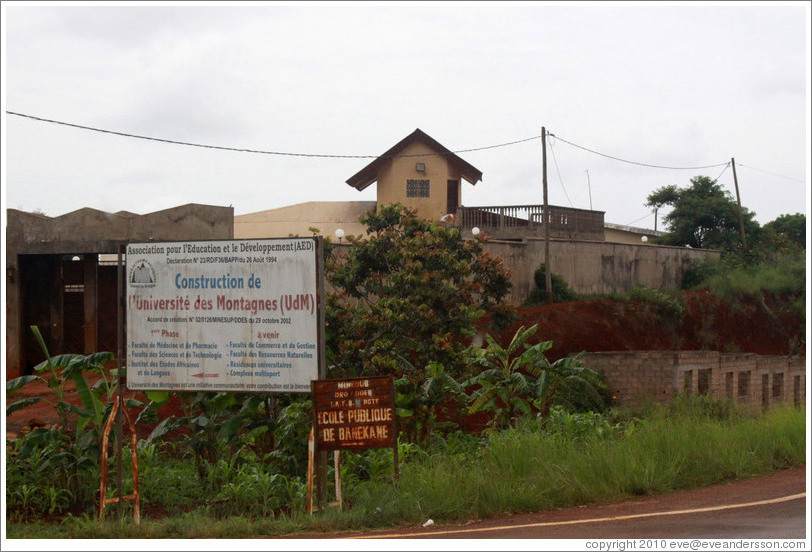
(392, 179)
(296, 220)
(68, 300)
(746, 378)
(629, 234)
(592, 267)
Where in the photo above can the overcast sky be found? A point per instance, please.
(684, 85)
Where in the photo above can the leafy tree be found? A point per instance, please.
(407, 295)
(785, 233)
(703, 215)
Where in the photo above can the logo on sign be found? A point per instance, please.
(142, 274)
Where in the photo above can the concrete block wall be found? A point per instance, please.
(595, 267)
(634, 376)
(748, 379)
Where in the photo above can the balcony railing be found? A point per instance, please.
(516, 221)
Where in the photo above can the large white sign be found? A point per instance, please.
(234, 315)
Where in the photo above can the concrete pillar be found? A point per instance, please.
(13, 278)
(91, 322)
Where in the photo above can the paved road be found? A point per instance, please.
(771, 507)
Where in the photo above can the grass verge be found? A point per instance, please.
(531, 468)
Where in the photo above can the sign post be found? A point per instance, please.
(354, 414)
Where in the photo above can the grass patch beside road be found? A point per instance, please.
(567, 460)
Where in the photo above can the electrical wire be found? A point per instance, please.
(771, 173)
(335, 156)
(727, 166)
(264, 152)
(561, 180)
(633, 162)
(638, 220)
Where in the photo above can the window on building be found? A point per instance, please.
(796, 390)
(729, 385)
(417, 188)
(744, 383)
(688, 382)
(765, 390)
(778, 384)
(703, 381)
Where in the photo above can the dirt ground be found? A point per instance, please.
(707, 324)
(593, 326)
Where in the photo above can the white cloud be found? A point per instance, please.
(661, 84)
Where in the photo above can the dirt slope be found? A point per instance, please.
(707, 323)
(600, 325)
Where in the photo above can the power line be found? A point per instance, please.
(634, 162)
(561, 180)
(772, 173)
(727, 166)
(264, 152)
(638, 220)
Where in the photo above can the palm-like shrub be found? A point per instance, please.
(519, 379)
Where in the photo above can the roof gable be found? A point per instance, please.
(369, 174)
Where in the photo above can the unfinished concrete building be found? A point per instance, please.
(62, 273)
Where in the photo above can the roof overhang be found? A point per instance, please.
(369, 174)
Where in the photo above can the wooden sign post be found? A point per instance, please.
(354, 414)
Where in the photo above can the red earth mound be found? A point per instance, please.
(707, 323)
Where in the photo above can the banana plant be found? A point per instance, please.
(60, 370)
(417, 403)
(519, 379)
(506, 385)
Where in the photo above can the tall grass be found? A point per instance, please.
(689, 443)
(785, 275)
(524, 470)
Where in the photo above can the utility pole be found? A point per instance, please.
(589, 186)
(739, 202)
(548, 271)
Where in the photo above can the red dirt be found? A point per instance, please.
(593, 326)
(707, 324)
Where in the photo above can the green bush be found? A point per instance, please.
(561, 289)
(668, 303)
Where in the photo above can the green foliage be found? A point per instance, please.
(668, 303)
(704, 215)
(419, 403)
(562, 292)
(785, 233)
(63, 459)
(519, 379)
(785, 276)
(565, 460)
(410, 290)
(580, 426)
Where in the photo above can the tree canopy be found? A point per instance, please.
(406, 295)
(787, 231)
(703, 215)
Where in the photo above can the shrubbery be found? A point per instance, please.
(561, 289)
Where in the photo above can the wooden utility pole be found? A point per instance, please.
(548, 271)
(739, 202)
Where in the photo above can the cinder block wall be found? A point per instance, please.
(748, 379)
(593, 267)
